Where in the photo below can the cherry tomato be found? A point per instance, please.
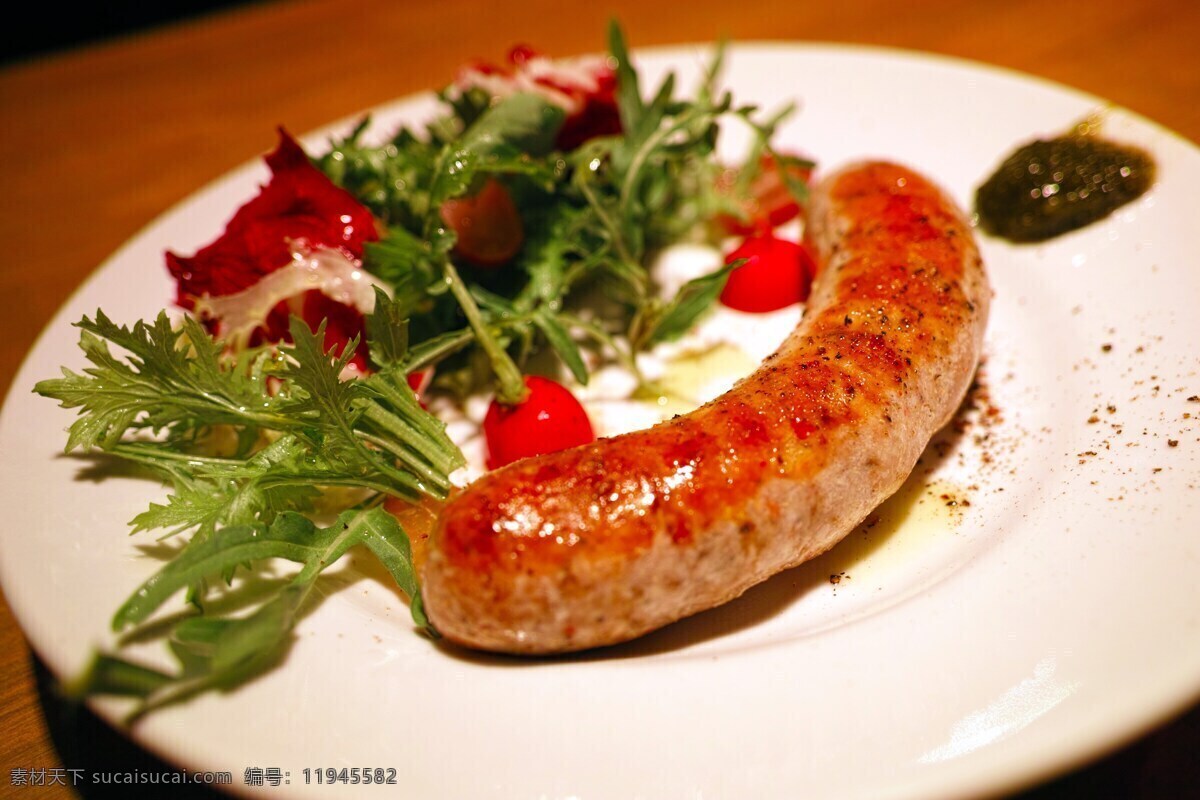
(487, 224)
(768, 205)
(776, 274)
(549, 419)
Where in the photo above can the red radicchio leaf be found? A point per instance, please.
(298, 203)
(598, 115)
(592, 109)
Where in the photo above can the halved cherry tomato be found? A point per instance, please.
(768, 203)
(549, 419)
(487, 224)
(776, 274)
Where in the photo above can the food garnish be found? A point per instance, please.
(505, 244)
(299, 226)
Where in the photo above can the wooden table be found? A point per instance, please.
(99, 141)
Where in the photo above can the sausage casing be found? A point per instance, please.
(604, 542)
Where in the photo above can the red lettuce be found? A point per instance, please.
(299, 203)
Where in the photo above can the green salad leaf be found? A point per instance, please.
(593, 219)
(257, 443)
(222, 651)
(314, 430)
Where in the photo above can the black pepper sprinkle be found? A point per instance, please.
(1107, 348)
(1172, 443)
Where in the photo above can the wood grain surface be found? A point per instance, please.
(98, 141)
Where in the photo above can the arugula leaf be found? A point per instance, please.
(693, 298)
(795, 186)
(237, 648)
(206, 505)
(503, 140)
(384, 537)
(292, 536)
(317, 389)
(387, 330)
(524, 123)
(591, 218)
(221, 652)
(107, 674)
(628, 94)
(439, 347)
(560, 339)
(405, 262)
(510, 384)
(555, 235)
(388, 179)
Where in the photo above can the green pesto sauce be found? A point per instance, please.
(1049, 187)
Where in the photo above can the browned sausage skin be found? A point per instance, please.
(604, 542)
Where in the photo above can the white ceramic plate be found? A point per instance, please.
(1058, 618)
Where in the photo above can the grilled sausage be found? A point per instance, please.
(604, 542)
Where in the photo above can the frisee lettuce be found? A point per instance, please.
(301, 428)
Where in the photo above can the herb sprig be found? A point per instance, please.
(298, 428)
(215, 652)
